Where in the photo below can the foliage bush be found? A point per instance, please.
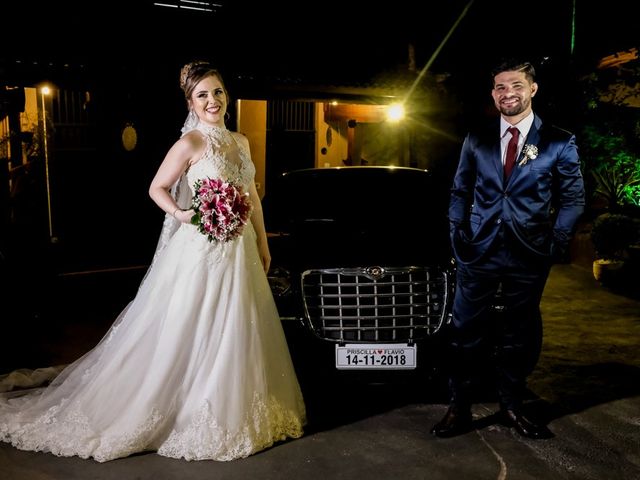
(609, 137)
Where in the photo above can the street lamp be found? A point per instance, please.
(44, 91)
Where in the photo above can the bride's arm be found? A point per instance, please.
(257, 220)
(175, 163)
(257, 217)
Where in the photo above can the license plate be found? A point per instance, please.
(373, 357)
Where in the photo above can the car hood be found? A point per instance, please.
(356, 216)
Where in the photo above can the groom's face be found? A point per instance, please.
(512, 93)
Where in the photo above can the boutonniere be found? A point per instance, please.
(529, 152)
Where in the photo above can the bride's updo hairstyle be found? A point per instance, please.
(192, 73)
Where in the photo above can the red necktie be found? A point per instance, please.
(512, 151)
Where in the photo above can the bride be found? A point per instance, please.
(197, 365)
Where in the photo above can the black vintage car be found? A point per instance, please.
(361, 264)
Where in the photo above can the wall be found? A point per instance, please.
(252, 122)
(334, 142)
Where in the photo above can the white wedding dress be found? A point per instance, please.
(195, 367)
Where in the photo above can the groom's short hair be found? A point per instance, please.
(514, 65)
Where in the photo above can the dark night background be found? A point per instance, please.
(137, 47)
(329, 40)
(334, 42)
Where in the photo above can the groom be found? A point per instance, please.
(515, 200)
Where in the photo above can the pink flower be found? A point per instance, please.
(222, 209)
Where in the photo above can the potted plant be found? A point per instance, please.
(612, 235)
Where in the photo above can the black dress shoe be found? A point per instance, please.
(455, 422)
(524, 426)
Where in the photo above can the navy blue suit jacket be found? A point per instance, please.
(539, 204)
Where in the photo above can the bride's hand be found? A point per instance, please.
(265, 257)
(184, 216)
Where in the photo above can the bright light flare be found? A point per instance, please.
(395, 112)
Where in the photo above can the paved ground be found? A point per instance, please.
(587, 384)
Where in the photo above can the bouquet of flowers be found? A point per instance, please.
(222, 209)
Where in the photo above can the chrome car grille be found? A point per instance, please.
(375, 304)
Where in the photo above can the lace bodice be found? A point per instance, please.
(225, 157)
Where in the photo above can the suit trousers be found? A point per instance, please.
(506, 339)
